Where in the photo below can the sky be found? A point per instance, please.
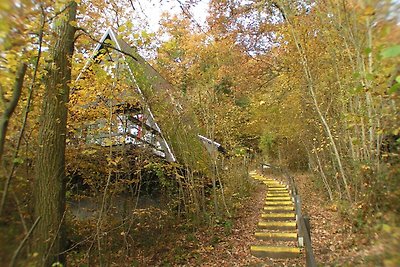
(152, 10)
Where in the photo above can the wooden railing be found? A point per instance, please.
(303, 221)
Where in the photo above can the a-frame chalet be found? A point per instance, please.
(138, 125)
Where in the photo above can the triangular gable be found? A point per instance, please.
(154, 77)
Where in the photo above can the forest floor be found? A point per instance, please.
(158, 239)
(335, 241)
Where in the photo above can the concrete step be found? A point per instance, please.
(275, 198)
(279, 208)
(278, 203)
(274, 189)
(271, 182)
(256, 176)
(275, 225)
(286, 194)
(274, 252)
(279, 192)
(276, 186)
(278, 216)
(292, 236)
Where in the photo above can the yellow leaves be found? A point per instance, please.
(122, 28)
(5, 5)
(333, 207)
(107, 142)
(369, 11)
(114, 161)
(396, 131)
(73, 23)
(89, 151)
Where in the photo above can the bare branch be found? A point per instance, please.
(10, 107)
(2, 98)
(21, 245)
(26, 112)
(107, 45)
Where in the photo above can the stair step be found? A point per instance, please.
(267, 182)
(278, 203)
(276, 185)
(275, 198)
(276, 236)
(278, 216)
(278, 194)
(273, 188)
(279, 208)
(277, 189)
(275, 225)
(274, 252)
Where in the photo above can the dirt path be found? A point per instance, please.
(219, 248)
(230, 245)
(334, 240)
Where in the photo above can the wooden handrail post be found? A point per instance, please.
(307, 225)
(310, 259)
(300, 232)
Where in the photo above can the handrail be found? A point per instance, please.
(303, 222)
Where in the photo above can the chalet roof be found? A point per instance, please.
(157, 82)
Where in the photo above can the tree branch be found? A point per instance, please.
(10, 107)
(2, 98)
(25, 116)
(107, 45)
(21, 245)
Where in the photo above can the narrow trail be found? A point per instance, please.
(249, 232)
(229, 242)
(277, 238)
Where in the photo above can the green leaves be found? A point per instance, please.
(18, 161)
(393, 51)
(396, 86)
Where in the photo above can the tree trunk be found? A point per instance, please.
(310, 84)
(10, 107)
(49, 187)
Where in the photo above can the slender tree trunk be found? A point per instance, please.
(10, 107)
(323, 176)
(49, 187)
(310, 84)
(25, 116)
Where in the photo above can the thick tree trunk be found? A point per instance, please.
(50, 163)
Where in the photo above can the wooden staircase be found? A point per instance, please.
(277, 229)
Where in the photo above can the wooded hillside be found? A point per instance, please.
(113, 148)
